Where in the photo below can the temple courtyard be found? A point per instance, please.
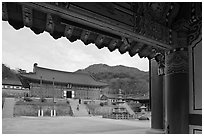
(73, 125)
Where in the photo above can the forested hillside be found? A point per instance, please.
(8, 73)
(130, 80)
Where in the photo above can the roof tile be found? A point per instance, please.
(63, 77)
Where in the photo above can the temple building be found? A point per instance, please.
(44, 82)
(11, 84)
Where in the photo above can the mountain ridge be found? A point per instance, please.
(95, 68)
(129, 79)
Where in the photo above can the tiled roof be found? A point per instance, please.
(63, 77)
(110, 96)
(11, 82)
(115, 96)
(146, 97)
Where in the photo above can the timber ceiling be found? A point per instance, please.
(121, 26)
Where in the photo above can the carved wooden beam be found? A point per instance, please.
(4, 12)
(68, 31)
(39, 21)
(134, 48)
(113, 44)
(60, 21)
(85, 36)
(97, 23)
(27, 16)
(99, 41)
(49, 24)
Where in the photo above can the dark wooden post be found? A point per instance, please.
(156, 94)
(177, 91)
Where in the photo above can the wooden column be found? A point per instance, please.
(176, 91)
(156, 87)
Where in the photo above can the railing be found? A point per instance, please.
(120, 116)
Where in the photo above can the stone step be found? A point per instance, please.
(8, 108)
(130, 111)
(82, 108)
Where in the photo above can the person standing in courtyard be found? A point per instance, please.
(89, 112)
(78, 107)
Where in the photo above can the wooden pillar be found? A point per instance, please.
(176, 91)
(156, 87)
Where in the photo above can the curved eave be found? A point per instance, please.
(40, 17)
(12, 84)
(30, 79)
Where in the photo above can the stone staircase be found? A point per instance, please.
(8, 108)
(82, 108)
(130, 111)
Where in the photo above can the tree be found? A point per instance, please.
(7, 73)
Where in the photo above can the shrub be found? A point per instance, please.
(43, 100)
(101, 104)
(143, 118)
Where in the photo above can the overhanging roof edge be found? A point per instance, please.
(93, 22)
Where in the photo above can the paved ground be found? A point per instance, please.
(72, 125)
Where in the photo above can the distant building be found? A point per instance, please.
(144, 100)
(44, 82)
(12, 84)
(112, 98)
(109, 97)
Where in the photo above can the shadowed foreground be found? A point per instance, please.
(72, 125)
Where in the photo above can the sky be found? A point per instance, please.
(22, 48)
